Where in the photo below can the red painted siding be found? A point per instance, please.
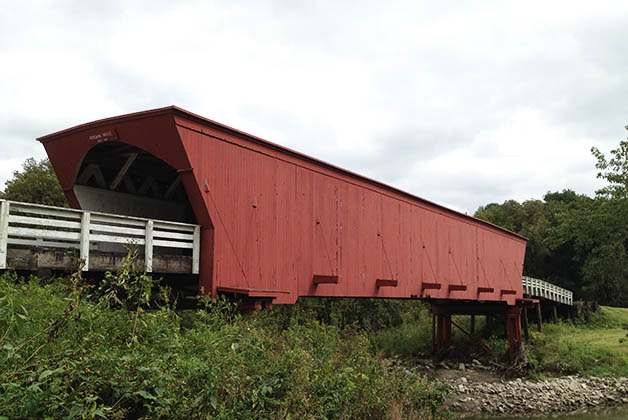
(274, 219)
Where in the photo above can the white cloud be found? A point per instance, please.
(461, 103)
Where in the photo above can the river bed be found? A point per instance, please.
(616, 413)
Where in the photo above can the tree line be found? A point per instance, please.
(575, 241)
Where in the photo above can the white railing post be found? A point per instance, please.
(85, 222)
(196, 250)
(4, 232)
(148, 247)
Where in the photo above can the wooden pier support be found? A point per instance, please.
(524, 317)
(539, 317)
(442, 313)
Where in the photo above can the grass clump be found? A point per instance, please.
(120, 352)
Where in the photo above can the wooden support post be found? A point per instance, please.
(539, 317)
(505, 324)
(196, 250)
(85, 222)
(524, 316)
(472, 326)
(4, 232)
(444, 331)
(513, 328)
(555, 310)
(434, 333)
(148, 247)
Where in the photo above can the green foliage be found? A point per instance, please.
(574, 241)
(37, 183)
(131, 287)
(614, 171)
(65, 352)
(530, 219)
(366, 314)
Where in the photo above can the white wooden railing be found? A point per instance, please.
(539, 288)
(57, 227)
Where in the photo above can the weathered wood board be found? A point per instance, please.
(56, 259)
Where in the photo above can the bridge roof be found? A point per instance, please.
(182, 113)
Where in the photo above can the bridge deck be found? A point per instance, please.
(34, 236)
(542, 289)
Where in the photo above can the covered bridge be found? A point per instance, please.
(276, 224)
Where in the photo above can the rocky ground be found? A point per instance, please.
(478, 389)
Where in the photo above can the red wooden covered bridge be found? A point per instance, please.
(276, 224)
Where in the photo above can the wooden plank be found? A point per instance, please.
(33, 259)
(120, 220)
(45, 211)
(42, 243)
(172, 188)
(117, 229)
(116, 239)
(173, 235)
(176, 226)
(196, 250)
(92, 170)
(172, 244)
(41, 233)
(148, 248)
(123, 171)
(172, 264)
(4, 232)
(30, 259)
(386, 283)
(27, 220)
(150, 184)
(128, 183)
(323, 279)
(85, 240)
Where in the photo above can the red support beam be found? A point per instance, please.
(385, 283)
(321, 279)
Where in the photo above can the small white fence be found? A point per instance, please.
(36, 225)
(539, 288)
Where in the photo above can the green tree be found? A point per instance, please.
(36, 183)
(529, 219)
(615, 171)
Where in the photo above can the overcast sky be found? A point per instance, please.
(462, 103)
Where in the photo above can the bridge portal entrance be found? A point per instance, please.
(120, 178)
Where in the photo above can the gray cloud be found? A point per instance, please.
(460, 103)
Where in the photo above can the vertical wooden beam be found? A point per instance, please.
(539, 317)
(196, 250)
(433, 333)
(524, 316)
(4, 232)
(148, 247)
(555, 312)
(85, 218)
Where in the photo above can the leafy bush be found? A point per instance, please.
(69, 351)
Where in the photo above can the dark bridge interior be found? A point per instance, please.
(115, 177)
